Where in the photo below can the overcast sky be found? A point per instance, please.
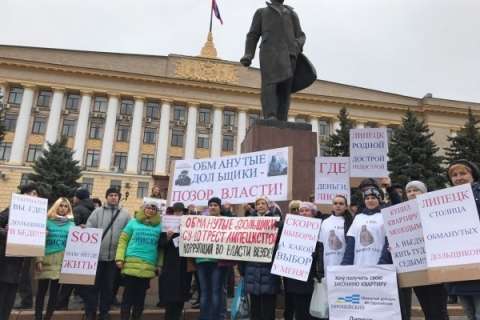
(410, 47)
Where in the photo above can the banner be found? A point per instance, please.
(81, 256)
(297, 243)
(235, 179)
(356, 292)
(332, 177)
(368, 152)
(171, 223)
(27, 226)
(244, 239)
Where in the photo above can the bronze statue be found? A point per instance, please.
(283, 67)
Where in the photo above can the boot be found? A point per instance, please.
(90, 316)
(124, 313)
(137, 313)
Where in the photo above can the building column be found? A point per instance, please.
(54, 117)
(163, 138)
(3, 92)
(82, 127)
(190, 140)
(315, 127)
(23, 125)
(216, 150)
(135, 136)
(291, 119)
(242, 129)
(109, 134)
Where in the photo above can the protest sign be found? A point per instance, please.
(161, 203)
(81, 256)
(368, 152)
(27, 226)
(244, 239)
(332, 177)
(171, 223)
(356, 292)
(297, 243)
(236, 179)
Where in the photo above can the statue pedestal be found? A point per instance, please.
(271, 134)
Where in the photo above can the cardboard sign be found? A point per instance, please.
(356, 292)
(332, 177)
(243, 239)
(27, 225)
(368, 152)
(81, 256)
(171, 223)
(236, 179)
(297, 243)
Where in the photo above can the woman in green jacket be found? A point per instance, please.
(138, 258)
(59, 222)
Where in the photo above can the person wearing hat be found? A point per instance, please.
(468, 292)
(112, 219)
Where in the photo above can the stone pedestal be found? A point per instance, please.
(268, 134)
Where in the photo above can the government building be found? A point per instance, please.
(127, 116)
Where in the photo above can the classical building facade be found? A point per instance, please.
(128, 116)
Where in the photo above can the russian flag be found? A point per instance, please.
(216, 11)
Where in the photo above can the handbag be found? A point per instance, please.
(240, 308)
(319, 303)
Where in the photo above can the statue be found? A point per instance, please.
(284, 69)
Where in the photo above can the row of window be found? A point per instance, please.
(143, 187)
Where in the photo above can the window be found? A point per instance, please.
(44, 98)
(100, 104)
(147, 162)
(15, 96)
(96, 130)
(10, 122)
(149, 135)
(126, 107)
(390, 131)
(227, 144)
(122, 133)
(323, 128)
(68, 129)
(87, 183)
(120, 161)
(228, 118)
(117, 184)
(25, 179)
(73, 102)
(34, 152)
(142, 190)
(93, 158)
(203, 141)
(39, 125)
(152, 110)
(5, 149)
(177, 138)
(179, 113)
(252, 118)
(204, 116)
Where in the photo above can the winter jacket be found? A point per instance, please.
(138, 246)
(100, 218)
(82, 211)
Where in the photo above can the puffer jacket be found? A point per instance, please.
(82, 211)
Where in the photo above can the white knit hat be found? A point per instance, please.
(418, 185)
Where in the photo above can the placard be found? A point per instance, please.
(356, 292)
(368, 152)
(332, 177)
(171, 223)
(236, 179)
(243, 239)
(27, 226)
(81, 256)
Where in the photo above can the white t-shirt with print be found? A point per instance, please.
(369, 234)
(333, 238)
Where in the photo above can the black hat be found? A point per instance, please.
(372, 192)
(178, 206)
(82, 194)
(29, 187)
(215, 200)
(470, 165)
(113, 190)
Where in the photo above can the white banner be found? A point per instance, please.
(366, 293)
(297, 243)
(235, 179)
(171, 223)
(404, 230)
(332, 177)
(27, 226)
(368, 152)
(451, 226)
(81, 256)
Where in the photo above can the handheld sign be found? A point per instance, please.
(27, 225)
(368, 152)
(332, 177)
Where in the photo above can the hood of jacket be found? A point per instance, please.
(142, 218)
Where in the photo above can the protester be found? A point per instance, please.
(137, 256)
(261, 285)
(468, 292)
(175, 279)
(249, 209)
(97, 203)
(59, 222)
(10, 266)
(112, 219)
(212, 276)
(156, 192)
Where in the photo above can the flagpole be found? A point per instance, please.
(211, 17)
